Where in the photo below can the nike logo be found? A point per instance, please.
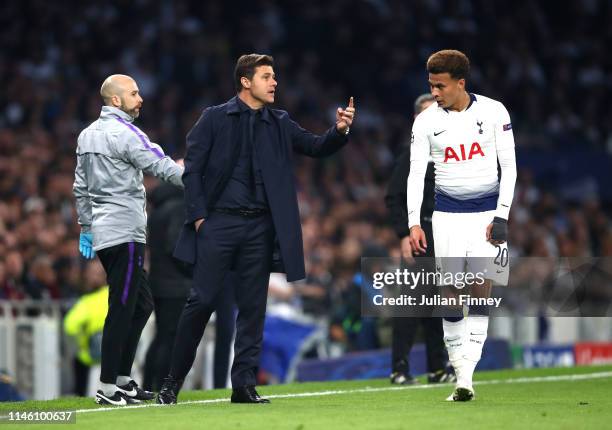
(130, 393)
(121, 402)
(439, 132)
(499, 271)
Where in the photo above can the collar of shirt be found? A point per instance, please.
(108, 111)
(243, 107)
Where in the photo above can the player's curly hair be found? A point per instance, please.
(246, 65)
(450, 61)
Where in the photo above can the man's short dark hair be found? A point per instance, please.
(246, 65)
(450, 61)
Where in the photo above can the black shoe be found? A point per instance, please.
(117, 399)
(442, 376)
(133, 391)
(247, 394)
(400, 378)
(169, 391)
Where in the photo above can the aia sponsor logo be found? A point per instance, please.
(451, 154)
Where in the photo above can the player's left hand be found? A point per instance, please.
(497, 231)
(344, 117)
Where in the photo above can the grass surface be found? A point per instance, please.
(569, 398)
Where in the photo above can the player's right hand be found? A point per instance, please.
(418, 241)
(86, 246)
(406, 249)
(198, 223)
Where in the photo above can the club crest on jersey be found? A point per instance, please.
(451, 154)
(479, 124)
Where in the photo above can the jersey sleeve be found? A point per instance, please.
(504, 144)
(419, 156)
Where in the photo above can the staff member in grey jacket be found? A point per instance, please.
(112, 155)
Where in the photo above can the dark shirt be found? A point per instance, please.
(396, 195)
(245, 188)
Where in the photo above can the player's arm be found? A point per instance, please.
(419, 156)
(497, 231)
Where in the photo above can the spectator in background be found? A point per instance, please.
(84, 323)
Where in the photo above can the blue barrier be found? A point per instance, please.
(377, 364)
(548, 356)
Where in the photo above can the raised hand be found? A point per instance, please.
(344, 117)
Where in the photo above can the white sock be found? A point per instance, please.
(108, 389)
(454, 339)
(477, 327)
(123, 380)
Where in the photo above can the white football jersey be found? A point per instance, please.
(465, 147)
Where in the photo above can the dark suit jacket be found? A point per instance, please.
(213, 147)
(395, 199)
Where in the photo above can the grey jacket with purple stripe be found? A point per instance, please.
(112, 155)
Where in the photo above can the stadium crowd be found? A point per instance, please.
(551, 75)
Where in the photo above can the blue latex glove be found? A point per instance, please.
(86, 246)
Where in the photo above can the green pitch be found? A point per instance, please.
(573, 398)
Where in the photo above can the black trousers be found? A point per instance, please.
(404, 329)
(81, 377)
(167, 313)
(157, 364)
(228, 243)
(129, 306)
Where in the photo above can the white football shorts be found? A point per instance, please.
(461, 247)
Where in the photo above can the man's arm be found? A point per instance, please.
(395, 199)
(419, 156)
(199, 143)
(313, 145)
(81, 194)
(497, 231)
(504, 144)
(83, 206)
(307, 143)
(147, 156)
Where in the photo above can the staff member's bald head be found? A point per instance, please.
(122, 92)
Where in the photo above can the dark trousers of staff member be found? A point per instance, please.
(130, 304)
(405, 328)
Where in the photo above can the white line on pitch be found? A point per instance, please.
(574, 377)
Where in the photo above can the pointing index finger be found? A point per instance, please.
(351, 102)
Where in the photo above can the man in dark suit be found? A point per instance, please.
(241, 201)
